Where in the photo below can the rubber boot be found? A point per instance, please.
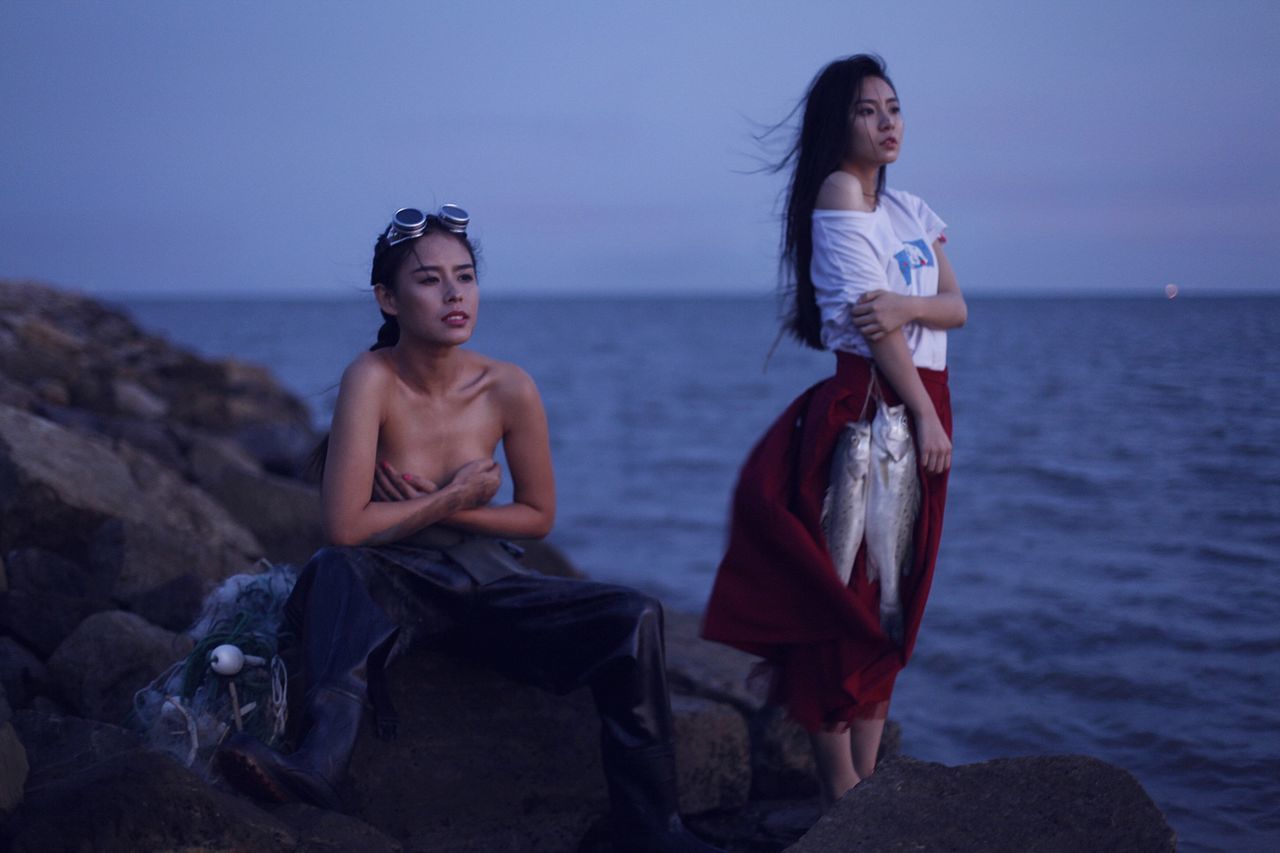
(642, 792)
(310, 773)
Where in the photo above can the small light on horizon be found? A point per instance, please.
(1171, 290)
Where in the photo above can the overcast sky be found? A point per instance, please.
(174, 147)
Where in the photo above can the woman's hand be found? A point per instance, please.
(391, 485)
(932, 443)
(880, 312)
(478, 481)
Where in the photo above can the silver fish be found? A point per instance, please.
(893, 502)
(844, 507)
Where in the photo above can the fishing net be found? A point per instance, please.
(189, 709)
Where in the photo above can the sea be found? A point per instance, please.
(1109, 579)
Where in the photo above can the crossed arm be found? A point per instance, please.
(880, 316)
(407, 504)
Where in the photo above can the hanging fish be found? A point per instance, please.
(893, 502)
(844, 507)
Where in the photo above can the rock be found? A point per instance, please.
(22, 675)
(713, 755)
(39, 570)
(13, 767)
(781, 758)
(15, 395)
(108, 658)
(485, 763)
(67, 754)
(60, 745)
(140, 800)
(1062, 803)
(58, 487)
(321, 831)
(13, 760)
(134, 400)
(156, 437)
(482, 763)
(712, 670)
(283, 514)
(65, 349)
(42, 620)
(158, 573)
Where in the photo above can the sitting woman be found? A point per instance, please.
(408, 478)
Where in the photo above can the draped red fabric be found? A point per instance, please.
(776, 593)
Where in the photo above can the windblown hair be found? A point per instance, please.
(819, 148)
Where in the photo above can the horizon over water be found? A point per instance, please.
(1107, 580)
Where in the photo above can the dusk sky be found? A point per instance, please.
(608, 148)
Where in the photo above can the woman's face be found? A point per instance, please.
(875, 125)
(435, 298)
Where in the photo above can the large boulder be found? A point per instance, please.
(71, 757)
(108, 658)
(481, 762)
(781, 758)
(713, 755)
(59, 745)
(1064, 803)
(136, 531)
(105, 363)
(487, 764)
(140, 800)
(283, 514)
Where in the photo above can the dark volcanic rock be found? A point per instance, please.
(1065, 803)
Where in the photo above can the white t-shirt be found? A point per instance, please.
(890, 248)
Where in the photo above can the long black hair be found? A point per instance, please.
(386, 263)
(819, 148)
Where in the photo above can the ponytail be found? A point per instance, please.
(388, 334)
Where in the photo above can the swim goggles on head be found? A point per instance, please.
(409, 223)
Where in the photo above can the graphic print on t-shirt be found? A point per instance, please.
(914, 254)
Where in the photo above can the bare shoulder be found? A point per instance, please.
(369, 369)
(841, 191)
(508, 383)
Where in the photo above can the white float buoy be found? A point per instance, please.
(229, 660)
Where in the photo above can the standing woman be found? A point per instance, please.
(865, 275)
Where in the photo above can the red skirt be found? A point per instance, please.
(777, 594)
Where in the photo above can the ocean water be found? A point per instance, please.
(1109, 581)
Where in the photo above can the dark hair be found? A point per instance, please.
(819, 148)
(386, 263)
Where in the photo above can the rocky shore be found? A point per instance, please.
(136, 477)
